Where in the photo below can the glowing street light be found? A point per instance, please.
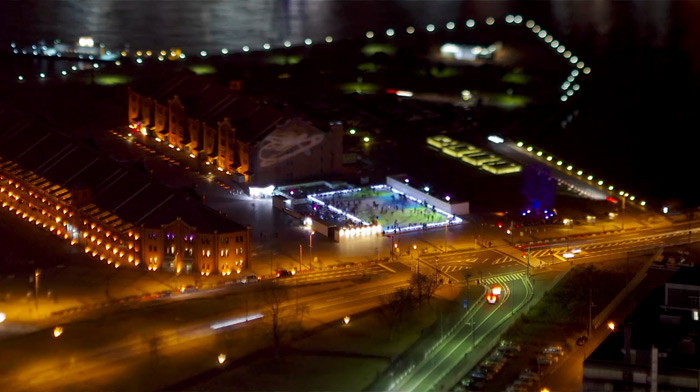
(611, 326)
(57, 331)
(221, 358)
(346, 320)
(2, 317)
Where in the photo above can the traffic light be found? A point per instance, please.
(500, 225)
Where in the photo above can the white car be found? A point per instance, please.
(249, 279)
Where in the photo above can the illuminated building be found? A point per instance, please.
(116, 214)
(227, 131)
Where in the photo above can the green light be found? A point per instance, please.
(559, 163)
(569, 168)
(539, 153)
(353, 131)
(590, 178)
(632, 198)
(643, 203)
(600, 182)
(530, 148)
(520, 144)
(549, 158)
(580, 172)
(611, 187)
(365, 139)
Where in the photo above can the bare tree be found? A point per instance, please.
(273, 296)
(394, 307)
(422, 287)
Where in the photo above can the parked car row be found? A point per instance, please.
(525, 381)
(489, 367)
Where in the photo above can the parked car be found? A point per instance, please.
(479, 375)
(554, 350)
(528, 374)
(544, 360)
(509, 345)
(249, 279)
(189, 289)
(472, 384)
(492, 366)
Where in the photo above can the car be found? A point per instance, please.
(478, 375)
(188, 289)
(492, 366)
(283, 273)
(544, 360)
(554, 350)
(472, 383)
(498, 356)
(581, 340)
(249, 278)
(528, 374)
(509, 345)
(523, 383)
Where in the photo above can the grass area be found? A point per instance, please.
(283, 60)
(111, 79)
(372, 49)
(368, 67)
(516, 77)
(444, 72)
(354, 87)
(505, 101)
(202, 69)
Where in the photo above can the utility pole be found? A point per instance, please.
(300, 257)
(622, 221)
(590, 311)
(311, 260)
(446, 237)
(528, 263)
(37, 272)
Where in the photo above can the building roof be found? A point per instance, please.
(687, 276)
(210, 103)
(129, 194)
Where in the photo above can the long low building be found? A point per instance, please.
(225, 130)
(116, 213)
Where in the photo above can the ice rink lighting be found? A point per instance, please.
(390, 32)
(470, 23)
(308, 41)
(495, 139)
(450, 25)
(410, 29)
(369, 34)
(430, 28)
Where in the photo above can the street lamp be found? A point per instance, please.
(346, 320)
(221, 358)
(58, 331)
(311, 233)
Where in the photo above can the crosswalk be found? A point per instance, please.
(452, 268)
(504, 278)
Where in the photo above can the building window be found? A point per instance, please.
(695, 315)
(224, 240)
(153, 236)
(694, 303)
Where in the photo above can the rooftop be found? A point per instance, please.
(128, 193)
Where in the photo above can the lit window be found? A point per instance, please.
(695, 315)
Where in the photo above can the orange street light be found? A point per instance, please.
(611, 325)
(221, 358)
(346, 320)
(58, 331)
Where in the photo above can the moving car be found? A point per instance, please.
(249, 279)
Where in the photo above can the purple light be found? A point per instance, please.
(523, 214)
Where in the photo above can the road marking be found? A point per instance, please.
(504, 278)
(387, 268)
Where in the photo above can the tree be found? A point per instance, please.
(273, 296)
(394, 307)
(422, 287)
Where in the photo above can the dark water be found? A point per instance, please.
(636, 126)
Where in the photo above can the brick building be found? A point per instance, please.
(116, 213)
(223, 129)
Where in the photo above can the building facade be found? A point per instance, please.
(228, 132)
(117, 215)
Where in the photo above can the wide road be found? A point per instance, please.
(482, 325)
(38, 369)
